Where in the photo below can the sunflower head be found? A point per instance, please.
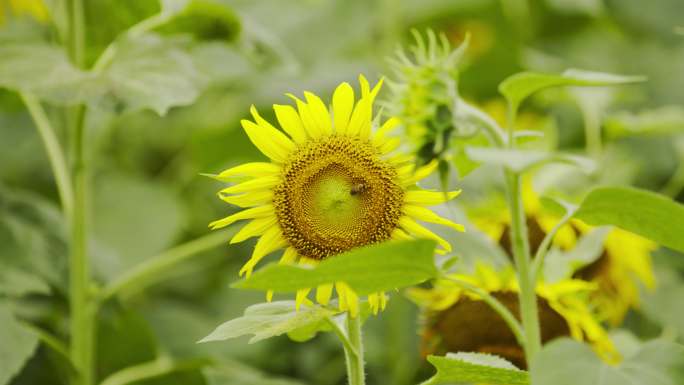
(455, 320)
(424, 91)
(333, 183)
(622, 267)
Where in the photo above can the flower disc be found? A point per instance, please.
(337, 194)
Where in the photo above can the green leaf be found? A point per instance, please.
(559, 265)
(645, 213)
(518, 87)
(44, 70)
(522, 160)
(16, 283)
(476, 368)
(370, 269)
(205, 20)
(16, 345)
(568, 362)
(151, 72)
(266, 320)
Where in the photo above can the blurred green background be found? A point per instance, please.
(148, 195)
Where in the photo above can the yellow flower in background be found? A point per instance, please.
(457, 320)
(331, 185)
(33, 8)
(624, 265)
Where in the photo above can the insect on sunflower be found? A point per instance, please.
(332, 184)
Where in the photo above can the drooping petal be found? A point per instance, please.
(301, 298)
(256, 198)
(429, 198)
(342, 104)
(319, 112)
(266, 182)
(289, 256)
(400, 235)
(254, 228)
(271, 240)
(419, 231)
(290, 122)
(254, 169)
(255, 212)
(271, 142)
(323, 293)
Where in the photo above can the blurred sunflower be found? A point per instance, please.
(624, 264)
(331, 185)
(456, 320)
(33, 8)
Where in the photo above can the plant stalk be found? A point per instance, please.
(54, 152)
(521, 254)
(354, 358)
(82, 307)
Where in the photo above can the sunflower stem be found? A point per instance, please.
(82, 307)
(354, 356)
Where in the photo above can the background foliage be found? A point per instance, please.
(202, 74)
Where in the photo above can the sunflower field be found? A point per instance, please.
(341, 192)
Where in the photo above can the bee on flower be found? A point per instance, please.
(333, 182)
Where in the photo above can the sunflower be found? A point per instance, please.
(455, 320)
(34, 8)
(621, 268)
(331, 185)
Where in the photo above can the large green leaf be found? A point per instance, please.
(475, 368)
(268, 320)
(568, 362)
(370, 269)
(518, 87)
(642, 212)
(521, 160)
(46, 71)
(151, 72)
(16, 345)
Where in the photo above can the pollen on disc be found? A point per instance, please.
(337, 194)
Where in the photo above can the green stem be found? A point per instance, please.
(82, 327)
(54, 152)
(521, 254)
(354, 358)
(496, 305)
(149, 271)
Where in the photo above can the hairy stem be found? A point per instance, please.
(54, 152)
(82, 327)
(521, 254)
(354, 358)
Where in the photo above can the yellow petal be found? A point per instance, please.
(385, 129)
(422, 173)
(254, 169)
(289, 256)
(255, 212)
(390, 145)
(360, 121)
(269, 242)
(307, 117)
(290, 122)
(254, 228)
(256, 198)
(374, 302)
(419, 231)
(352, 302)
(269, 295)
(365, 87)
(429, 198)
(319, 112)
(341, 288)
(266, 182)
(342, 104)
(427, 215)
(271, 142)
(300, 298)
(383, 301)
(323, 293)
(400, 235)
